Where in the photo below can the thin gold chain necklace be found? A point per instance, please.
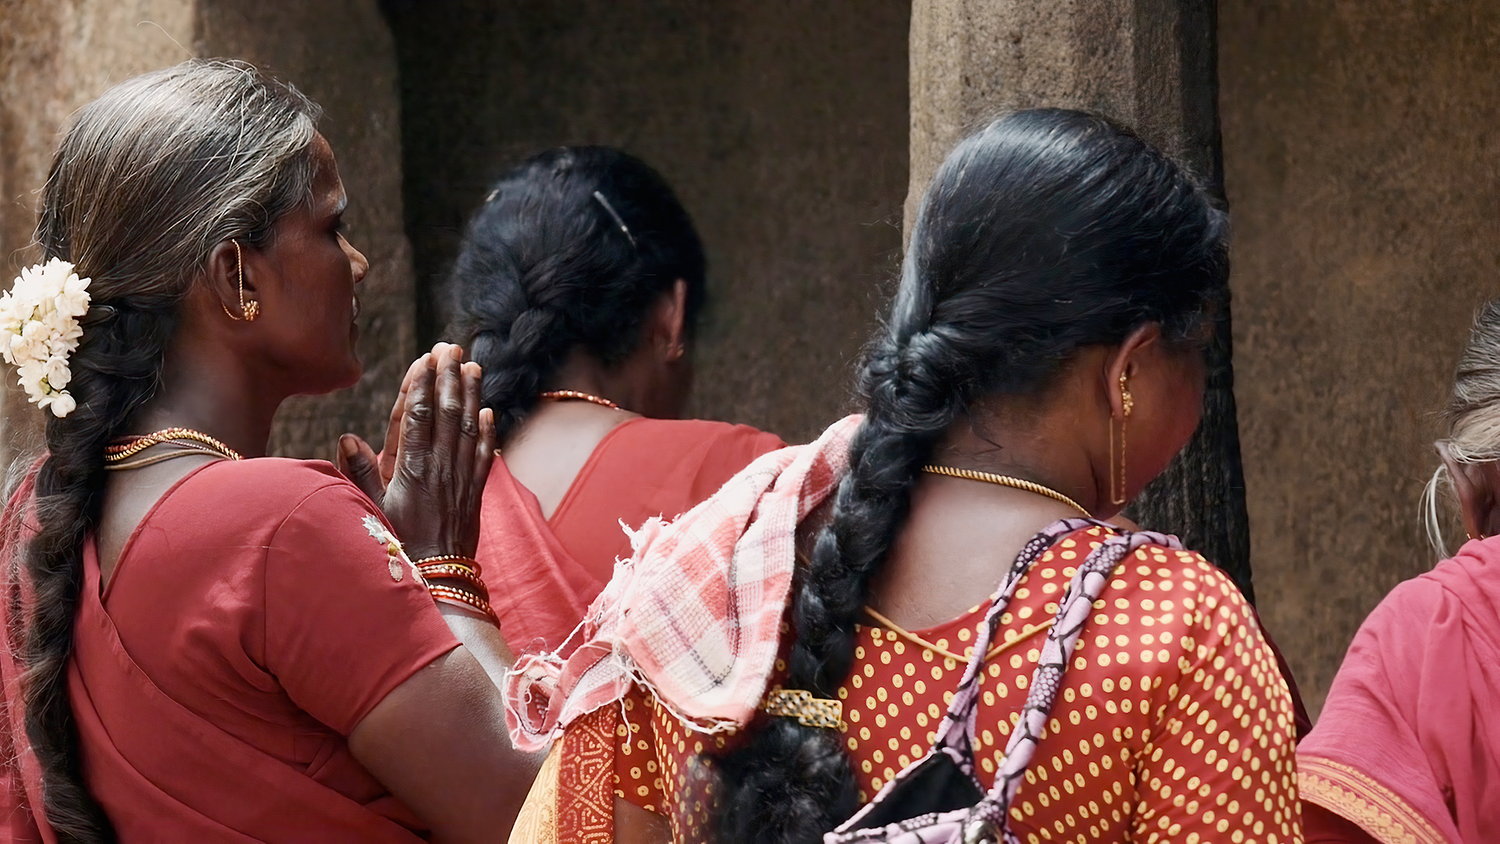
(1006, 480)
(579, 395)
(118, 455)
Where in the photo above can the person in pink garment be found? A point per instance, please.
(1407, 748)
(580, 281)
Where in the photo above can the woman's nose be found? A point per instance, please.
(357, 261)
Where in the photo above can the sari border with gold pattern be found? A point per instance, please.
(1350, 793)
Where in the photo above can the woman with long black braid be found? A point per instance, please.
(1042, 362)
(205, 643)
(581, 280)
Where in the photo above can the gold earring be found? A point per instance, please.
(250, 309)
(1118, 480)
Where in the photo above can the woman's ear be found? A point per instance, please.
(1475, 484)
(1123, 364)
(669, 321)
(231, 280)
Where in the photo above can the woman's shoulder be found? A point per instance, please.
(691, 434)
(266, 485)
(698, 454)
(1153, 558)
(1156, 578)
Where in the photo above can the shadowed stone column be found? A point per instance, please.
(1150, 64)
(55, 57)
(340, 53)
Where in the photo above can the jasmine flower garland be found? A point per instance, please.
(39, 329)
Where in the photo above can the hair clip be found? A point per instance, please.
(98, 314)
(611, 209)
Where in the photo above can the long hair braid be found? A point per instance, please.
(569, 251)
(1047, 231)
(147, 180)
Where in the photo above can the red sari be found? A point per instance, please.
(642, 468)
(253, 620)
(1407, 748)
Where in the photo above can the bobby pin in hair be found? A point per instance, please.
(98, 314)
(611, 209)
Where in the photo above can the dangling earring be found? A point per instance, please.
(250, 309)
(1117, 471)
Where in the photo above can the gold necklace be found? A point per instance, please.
(563, 395)
(189, 441)
(1026, 633)
(1006, 480)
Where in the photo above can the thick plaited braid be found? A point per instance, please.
(1046, 232)
(115, 371)
(910, 404)
(544, 270)
(148, 180)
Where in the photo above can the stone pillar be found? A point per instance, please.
(340, 53)
(1150, 64)
(54, 57)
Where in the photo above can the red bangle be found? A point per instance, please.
(461, 575)
(463, 598)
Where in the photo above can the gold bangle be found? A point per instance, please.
(465, 598)
(448, 559)
(447, 570)
(476, 585)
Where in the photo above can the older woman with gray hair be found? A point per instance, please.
(205, 643)
(1406, 747)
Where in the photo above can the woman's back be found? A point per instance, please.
(1143, 738)
(220, 603)
(640, 469)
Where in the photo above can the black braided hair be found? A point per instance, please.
(146, 182)
(1047, 231)
(545, 268)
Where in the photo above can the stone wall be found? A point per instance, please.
(1361, 163)
(782, 125)
(54, 57)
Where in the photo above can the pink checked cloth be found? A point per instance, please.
(695, 614)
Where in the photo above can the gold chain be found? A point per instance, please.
(1026, 633)
(1006, 480)
(564, 395)
(186, 438)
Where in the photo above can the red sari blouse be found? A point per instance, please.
(254, 618)
(642, 468)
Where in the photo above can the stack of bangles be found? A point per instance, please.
(454, 580)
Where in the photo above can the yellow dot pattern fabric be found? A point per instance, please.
(1173, 723)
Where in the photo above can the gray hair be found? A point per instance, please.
(163, 167)
(1471, 417)
(149, 178)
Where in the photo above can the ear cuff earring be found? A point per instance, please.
(250, 309)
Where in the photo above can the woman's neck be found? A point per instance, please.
(218, 397)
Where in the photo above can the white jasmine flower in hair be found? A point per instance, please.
(61, 403)
(39, 330)
(56, 372)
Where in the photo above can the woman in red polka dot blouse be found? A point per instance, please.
(1042, 362)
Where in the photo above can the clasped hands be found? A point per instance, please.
(439, 443)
